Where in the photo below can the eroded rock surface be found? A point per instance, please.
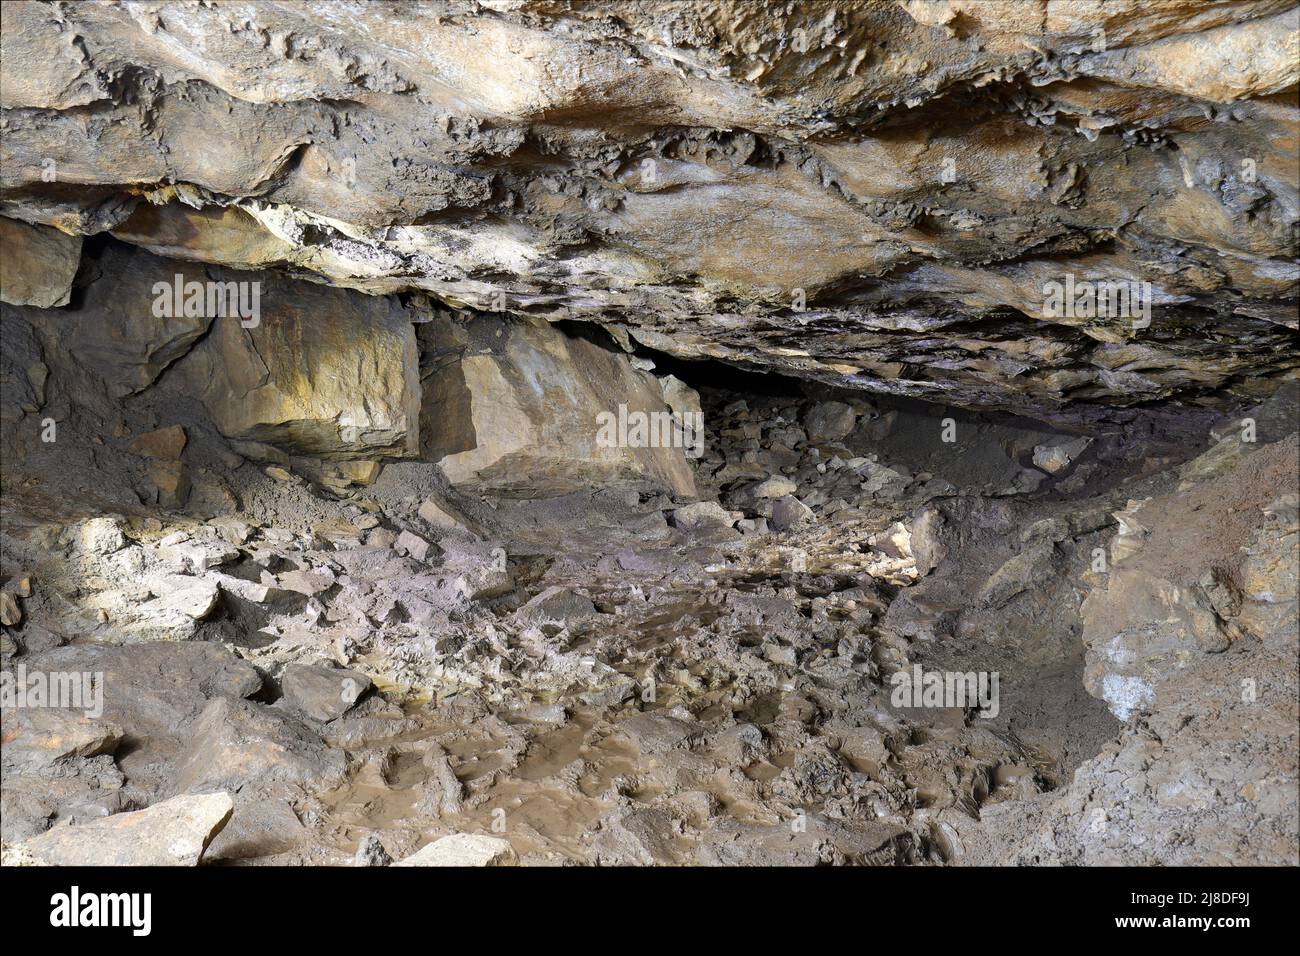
(874, 194)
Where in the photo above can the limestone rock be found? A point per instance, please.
(828, 421)
(463, 849)
(171, 482)
(37, 738)
(371, 852)
(484, 582)
(558, 604)
(704, 514)
(361, 472)
(412, 544)
(1055, 458)
(175, 832)
(323, 693)
(527, 406)
(442, 516)
(1031, 566)
(321, 373)
(789, 513)
(194, 597)
(11, 613)
(236, 741)
(887, 246)
(102, 536)
(152, 689)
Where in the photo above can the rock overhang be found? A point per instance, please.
(874, 195)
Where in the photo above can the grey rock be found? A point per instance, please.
(323, 693)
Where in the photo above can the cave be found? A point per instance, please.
(638, 434)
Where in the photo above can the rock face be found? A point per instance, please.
(898, 184)
(388, 441)
(322, 373)
(38, 264)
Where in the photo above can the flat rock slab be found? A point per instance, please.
(175, 832)
(464, 849)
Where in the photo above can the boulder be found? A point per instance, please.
(829, 421)
(175, 832)
(235, 742)
(323, 693)
(152, 689)
(704, 514)
(528, 409)
(323, 373)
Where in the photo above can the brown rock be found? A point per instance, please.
(171, 479)
(165, 443)
(37, 264)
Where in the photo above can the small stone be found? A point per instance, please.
(1054, 458)
(370, 852)
(411, 544)
(464, 849)
(165, 443)
(278, 473)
